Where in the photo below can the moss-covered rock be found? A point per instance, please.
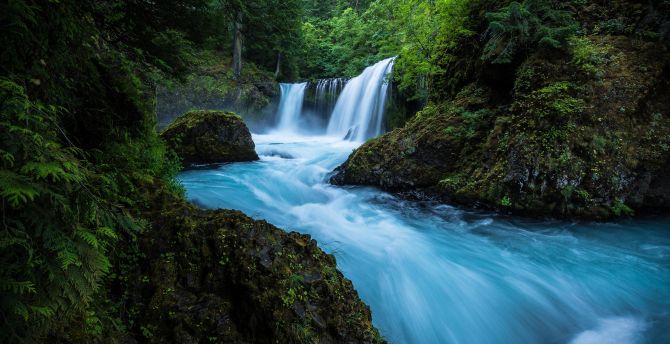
(581, 132)
(217, 276)
(210, 137)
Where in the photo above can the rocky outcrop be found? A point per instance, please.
(218, 276)
(200, 137)
(583, 132)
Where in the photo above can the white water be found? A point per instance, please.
(432, 273)
(436, 274)
(290, 106)
(359, 110)
(327, 91)
(358, 113)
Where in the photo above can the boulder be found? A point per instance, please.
(207, 136)
(218, 276)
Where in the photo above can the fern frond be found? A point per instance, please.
(89, 238)
(67, 258)
(17, 287)
(17, 189)
(107, 232)
(44, 311)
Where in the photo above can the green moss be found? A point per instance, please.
(583, 195)
(192, 118)
(204, 136)
(220, 274)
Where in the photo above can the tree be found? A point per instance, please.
(520, 27)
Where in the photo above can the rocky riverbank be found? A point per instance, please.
(581, 130)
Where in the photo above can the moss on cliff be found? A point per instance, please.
(212, 85)
(583, 131)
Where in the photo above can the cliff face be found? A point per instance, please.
(581, 131)
(213, 85)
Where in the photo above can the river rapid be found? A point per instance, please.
(434, 273)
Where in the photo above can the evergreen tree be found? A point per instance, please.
(520, 27)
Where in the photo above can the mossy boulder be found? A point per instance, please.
(208, 136)
(218, 276)
(583, 131)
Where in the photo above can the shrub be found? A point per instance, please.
(619, 208)
(586, 55)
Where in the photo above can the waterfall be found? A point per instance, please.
(290, 106)
(359, 109)
(326, 94)
(352, 110)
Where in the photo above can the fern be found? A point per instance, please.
(521, 27)
(77, 148)
(56, 226)
(107, 233)
(17, 189)
(17, 287)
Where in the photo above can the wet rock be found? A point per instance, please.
(201, 137)
(219, 276)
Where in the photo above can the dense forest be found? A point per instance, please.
(95, 227)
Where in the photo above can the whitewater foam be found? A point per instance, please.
(614, 330)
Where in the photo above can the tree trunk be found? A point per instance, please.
(278, 69)
(237, 47)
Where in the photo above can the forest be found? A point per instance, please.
(506, 111)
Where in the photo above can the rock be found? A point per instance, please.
(219, 276)
(201, 137)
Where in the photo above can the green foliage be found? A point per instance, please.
(506, 202)
(271, 28)
(56, 228)
(557, 101)
(77, 149)
(619, 208)
(417, 31)
(588, 56)
(520, 27)
(340, 46)
(428, 31)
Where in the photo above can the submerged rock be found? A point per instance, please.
(219, 276)
(200, 137)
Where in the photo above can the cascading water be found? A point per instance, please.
(357, 114)
(290, 106)
(326, 94)
(359, 111)
(432, 273)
